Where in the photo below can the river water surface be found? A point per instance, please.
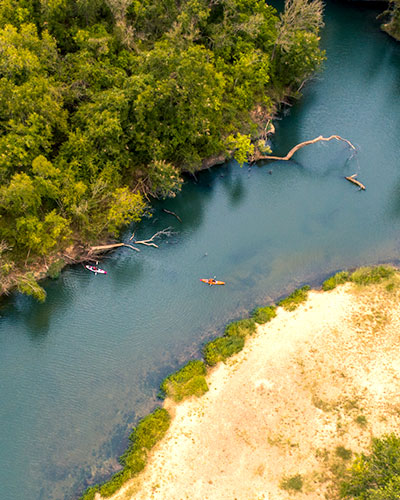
(78, 371)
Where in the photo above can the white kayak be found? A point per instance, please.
(95, 269)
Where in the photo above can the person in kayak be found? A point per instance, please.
(212, 281)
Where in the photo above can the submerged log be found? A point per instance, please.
(172, 213)
(305, 143)
(352, 178)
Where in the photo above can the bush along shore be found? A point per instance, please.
(106, 104)
(191, 381)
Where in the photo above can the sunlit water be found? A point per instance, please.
(79, 370)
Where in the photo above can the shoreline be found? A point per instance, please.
(198, 456)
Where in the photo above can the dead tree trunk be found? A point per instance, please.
(305, 143)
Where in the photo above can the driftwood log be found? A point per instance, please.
(305, 143)
(352, 178)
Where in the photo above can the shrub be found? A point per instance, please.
(294, 483)
(361, 420)
(335, 280)
(370, 275)
(55, 268)
(375, 476)
(264, 314)
(292, 301)
(241, 328)
(186, 382)
(222, 348)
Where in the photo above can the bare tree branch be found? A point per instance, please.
(150, 242)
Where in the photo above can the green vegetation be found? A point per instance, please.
(362, 276)
(222, 348)
(107, 102)
(292, 483)
(335, 280)
(241, 328)
(28, 285)
(146, 434)
(55, 269)
(371, 275)
(375, 476)
(188, 381)
(232, 342)
(264, 314)
(292, 301)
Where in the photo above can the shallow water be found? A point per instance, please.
(79, 370)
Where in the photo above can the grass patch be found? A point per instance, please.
(146, 434)
(241, 328)
(264, 314)
(231, 343)
(371, 275)
(292, 483)
(222, 348)
(292, 301)
(188, 381)
(343, 453)
(335, 280)
(361, 276)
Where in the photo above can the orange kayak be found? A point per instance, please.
(211, 281)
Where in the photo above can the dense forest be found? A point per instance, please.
(105, 103)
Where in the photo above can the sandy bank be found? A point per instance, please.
(323, 376)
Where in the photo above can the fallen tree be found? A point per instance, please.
(149, 242)
(105, 248)
(301, 145)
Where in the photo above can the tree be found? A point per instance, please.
(32, 117)
(296, 52)
(375, 476)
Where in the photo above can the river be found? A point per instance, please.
(78, 371)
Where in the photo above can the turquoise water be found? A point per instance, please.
(79, 370)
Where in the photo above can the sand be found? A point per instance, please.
(324, 376)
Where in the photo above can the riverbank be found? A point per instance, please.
(309, 384)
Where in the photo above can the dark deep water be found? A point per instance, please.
(79, 370)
